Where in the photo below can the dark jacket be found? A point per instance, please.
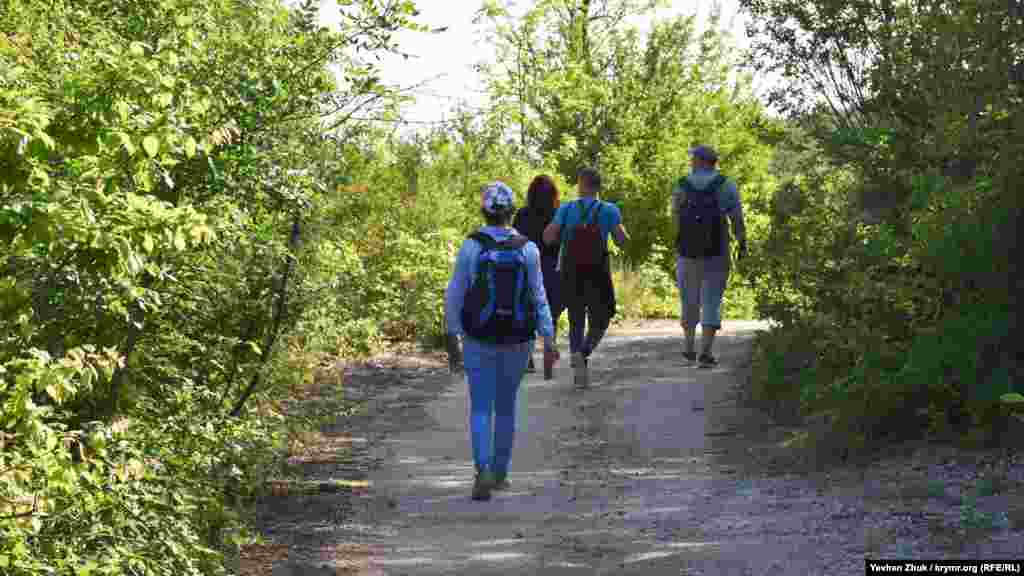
(548, 259)
(534, 231)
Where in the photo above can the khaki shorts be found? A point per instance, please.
(701, 285)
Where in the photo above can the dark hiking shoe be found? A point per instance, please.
(707, 361)
(500, 483)
(689, 358)
(483, 485)
(581, 371)
(530, 368)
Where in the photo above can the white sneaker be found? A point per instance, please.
(581, 374)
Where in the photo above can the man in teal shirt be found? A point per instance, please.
(589, 297)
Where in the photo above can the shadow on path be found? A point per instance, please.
(652, 471)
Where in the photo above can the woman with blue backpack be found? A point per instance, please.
(542, 199)
(496, 302)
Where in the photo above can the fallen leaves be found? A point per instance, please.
(259, 559)
(282, 488)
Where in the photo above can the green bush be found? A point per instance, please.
(360, 338)
(890, 330)
(646, 292)
(166, 221)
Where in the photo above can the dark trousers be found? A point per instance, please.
(590, 300)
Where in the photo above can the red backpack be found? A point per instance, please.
(586, 251)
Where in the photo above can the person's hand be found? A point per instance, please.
(551, 356)
(552, 353)
(454, 353)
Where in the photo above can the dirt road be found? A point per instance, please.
(655, 470)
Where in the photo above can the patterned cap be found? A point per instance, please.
(498, 198)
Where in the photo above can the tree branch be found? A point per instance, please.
(279, 312)
(117, 380)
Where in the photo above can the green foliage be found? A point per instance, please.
(407, 215)
(164, 241)
(192, 221)
(888, 264)
(647, 291)
(894, 325)
(586, 87)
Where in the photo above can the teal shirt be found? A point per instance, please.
(569, 215)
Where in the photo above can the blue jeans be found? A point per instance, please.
(493, 374)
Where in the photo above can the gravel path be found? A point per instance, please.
(658, 469)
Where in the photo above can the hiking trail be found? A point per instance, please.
(657, 469)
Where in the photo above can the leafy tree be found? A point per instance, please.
(910, 106)
(155, 213)
(591, 89)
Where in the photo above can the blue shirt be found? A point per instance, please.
(569, 215)
(465, 272)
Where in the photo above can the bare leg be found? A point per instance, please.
(707, 339)
(716, 277)
(690, 335)
(692, 278)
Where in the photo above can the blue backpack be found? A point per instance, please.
(499, 306)
(700, 220)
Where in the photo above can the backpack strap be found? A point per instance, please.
(484, 240)
(489, 243)
(716, 183)
(713, 186)
(515, 242)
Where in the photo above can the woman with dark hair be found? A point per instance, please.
(542, 199)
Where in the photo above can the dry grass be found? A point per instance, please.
(349, 559)
(635, 301)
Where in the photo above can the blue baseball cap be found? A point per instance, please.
(705, 153)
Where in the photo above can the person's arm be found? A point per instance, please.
(554, 230)
(545, 325)
(677, 197)
(619, 234)
(457, 287)
(735, 214)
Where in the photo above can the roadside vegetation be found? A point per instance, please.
(202, 203)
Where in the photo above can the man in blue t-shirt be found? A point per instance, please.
(589, 297)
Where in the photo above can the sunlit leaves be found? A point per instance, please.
(146, 197)
(190, 146)
(151, 145)
(922, 132)
(604, 93)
